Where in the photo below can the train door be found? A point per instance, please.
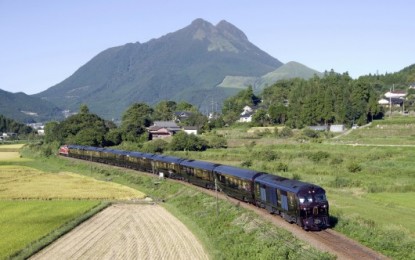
(284, 200)
(263, 193)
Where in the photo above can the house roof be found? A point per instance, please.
(166, 124)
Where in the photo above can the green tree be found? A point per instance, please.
(135, 120)
(184, 142)
(164, 110)
(260, 118)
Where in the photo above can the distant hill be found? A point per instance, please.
(185, 65)
(27, 109)
(287, 71)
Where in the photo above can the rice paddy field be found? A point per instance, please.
(38, 206)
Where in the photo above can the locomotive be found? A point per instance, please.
(297, 202)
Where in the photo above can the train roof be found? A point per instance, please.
(285, 184)
(237, 172)
(141, 155)
(199, 164)
(115, 151)
(167, 159)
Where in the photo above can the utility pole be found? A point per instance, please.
(390, 102)
(217, 199)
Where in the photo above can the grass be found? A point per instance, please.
(25, 223)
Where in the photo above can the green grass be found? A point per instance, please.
(25, 223)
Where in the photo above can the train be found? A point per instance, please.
(298, 202)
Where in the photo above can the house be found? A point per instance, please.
(412, 85)
(246, 115)
(396, 102)
(395, 94)
(181, 115)
(163, 129)
(337, 128)
(190, 130)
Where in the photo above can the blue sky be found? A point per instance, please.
(45, 41)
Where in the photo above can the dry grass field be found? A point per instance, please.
(131, 231)
(19, 182)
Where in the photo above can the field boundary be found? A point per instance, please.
(38, 245)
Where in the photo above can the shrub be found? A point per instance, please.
(247, 163)
(354, 167)
(285, 132)
(282, 167)
(336, 161)
(267, 155)
(318, 156)
(217, 141)
(310, 133)
(155, 146)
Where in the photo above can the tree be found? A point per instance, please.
(260, 118)
(184, 142)
(83, 128)
(135, 120)
(164, 110)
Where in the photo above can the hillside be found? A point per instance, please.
(287, 71)
(27, 109)
(183, 65)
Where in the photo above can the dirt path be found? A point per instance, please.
(127, 231)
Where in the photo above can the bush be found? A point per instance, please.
(310, 133)
(184, 142)
(247, 163)
(318, 156)
(282, 167)
(267, 155)
(285, 132)
(217, 141)
(155, 146)
(354, 167)
(336, 161)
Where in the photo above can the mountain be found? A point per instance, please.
(185, 65)
(287, 71)
(27, 109)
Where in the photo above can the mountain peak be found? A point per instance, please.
(229, 29)
(199, 22)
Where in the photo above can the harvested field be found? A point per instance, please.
(127, 231)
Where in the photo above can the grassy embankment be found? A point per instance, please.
(37, 207)
(368, 175)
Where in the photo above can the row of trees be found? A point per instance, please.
(8, 125)
(86, 128)
(332, 99)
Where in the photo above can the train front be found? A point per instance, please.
(314, 208)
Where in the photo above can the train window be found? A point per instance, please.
(320, 197)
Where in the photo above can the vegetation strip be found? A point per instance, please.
(38, 245)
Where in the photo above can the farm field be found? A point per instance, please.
(130, 231)
(37, 206)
